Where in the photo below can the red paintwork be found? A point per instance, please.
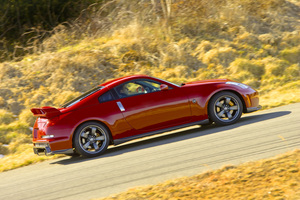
(143, 113)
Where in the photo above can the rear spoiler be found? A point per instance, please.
(47, 112)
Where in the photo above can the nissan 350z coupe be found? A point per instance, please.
(136, 106)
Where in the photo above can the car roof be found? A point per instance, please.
(117, 81)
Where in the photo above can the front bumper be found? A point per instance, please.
(44, 149)
(253, 109)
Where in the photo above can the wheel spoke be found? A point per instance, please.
(100, 138)
(229, 115)
(86, 145)
(220, 114)
(95, 146)
(84, 134)
(94, 129)
(219, 104)
(233, 108)
(227, 101)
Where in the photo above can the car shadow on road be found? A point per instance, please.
(166, 138)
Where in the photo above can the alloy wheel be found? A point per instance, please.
(92, 139)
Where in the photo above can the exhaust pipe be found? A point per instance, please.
(43, 151)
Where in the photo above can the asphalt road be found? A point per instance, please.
(166, 156)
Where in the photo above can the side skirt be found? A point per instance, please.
(122, 140)
(253, 109)
(64, 151)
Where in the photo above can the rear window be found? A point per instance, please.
(81, 97)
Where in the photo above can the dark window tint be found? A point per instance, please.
(105, 97)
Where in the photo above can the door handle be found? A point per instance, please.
(121, 106)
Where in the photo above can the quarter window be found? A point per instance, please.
(106, 97)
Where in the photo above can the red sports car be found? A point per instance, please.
(136, 106)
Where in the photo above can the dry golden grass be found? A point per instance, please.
(287, 94)
(275, 178)
(23, 157)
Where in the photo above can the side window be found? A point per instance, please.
(105, 97)
(132, 88)
(137, 87)
(128, 89)
(151, 86)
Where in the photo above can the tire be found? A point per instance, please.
(209, 123)
(91, 139)
(225, 108)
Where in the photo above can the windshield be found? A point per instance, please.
(81, 97)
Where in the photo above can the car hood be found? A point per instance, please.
(206, 81)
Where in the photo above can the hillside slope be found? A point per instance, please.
(255, 42)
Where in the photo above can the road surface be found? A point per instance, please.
(156, 159)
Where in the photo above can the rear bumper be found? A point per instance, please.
(253, 109)
(44, 149)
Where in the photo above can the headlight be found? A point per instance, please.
(238, 84)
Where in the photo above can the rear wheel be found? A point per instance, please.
(225, 108)
(91, 139)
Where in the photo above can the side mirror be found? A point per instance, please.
(164, 87)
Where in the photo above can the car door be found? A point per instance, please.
(147, 108)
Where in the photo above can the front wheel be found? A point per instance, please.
(91, 139)
(225, 108)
